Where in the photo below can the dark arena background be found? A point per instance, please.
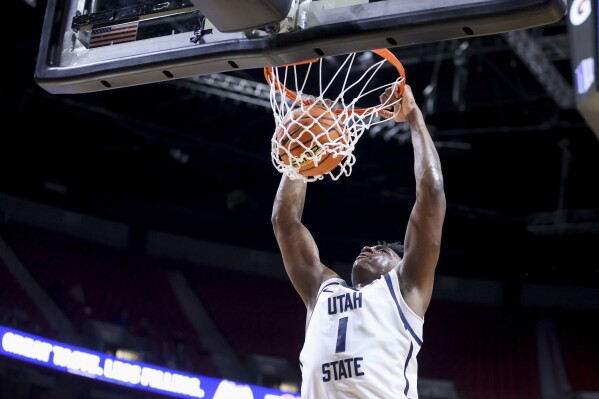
(136, 242)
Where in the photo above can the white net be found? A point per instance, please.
(321, 110)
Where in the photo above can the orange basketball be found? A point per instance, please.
(310, 137)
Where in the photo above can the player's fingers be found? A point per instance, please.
(385, 97)
(388, 114)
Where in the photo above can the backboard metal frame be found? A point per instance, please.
(65, 65)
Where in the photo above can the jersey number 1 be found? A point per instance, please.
(341, 330)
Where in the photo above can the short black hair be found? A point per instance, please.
(396, 246)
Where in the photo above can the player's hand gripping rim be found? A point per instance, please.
(397, 107)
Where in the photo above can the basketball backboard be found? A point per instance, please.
(89, 46)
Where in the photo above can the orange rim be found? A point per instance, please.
(292, 95)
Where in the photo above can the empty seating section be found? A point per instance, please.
(93, 281)
(256, 314)
(17, 310)
(486, 353)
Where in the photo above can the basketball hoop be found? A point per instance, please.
(347, 90)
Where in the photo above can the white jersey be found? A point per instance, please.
(361, 343)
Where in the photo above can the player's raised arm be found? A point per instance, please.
(297, 246)
(422, 242)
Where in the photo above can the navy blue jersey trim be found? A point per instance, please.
(405, 368)
(401, 315)
(324, 289)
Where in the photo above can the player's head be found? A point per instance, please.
(374, 261)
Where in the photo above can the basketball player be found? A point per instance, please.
(361, 340)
